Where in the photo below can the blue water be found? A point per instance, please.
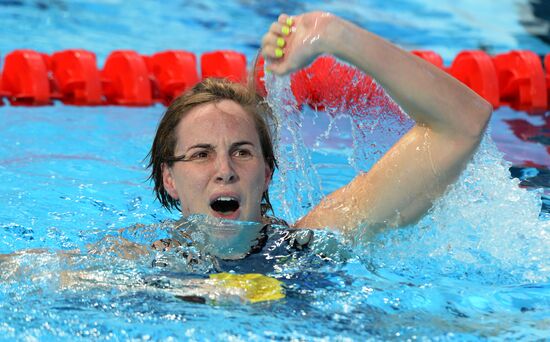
(475, 268)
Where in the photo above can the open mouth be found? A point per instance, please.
(225, 205)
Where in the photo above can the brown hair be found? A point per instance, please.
(207, 91)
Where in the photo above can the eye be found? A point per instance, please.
(199, 155)
(242, 153)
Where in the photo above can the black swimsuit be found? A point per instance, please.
(276, 243)
(288, 254)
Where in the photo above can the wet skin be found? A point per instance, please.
(223, 161)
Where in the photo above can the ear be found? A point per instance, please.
(268, 175)
(168, 181)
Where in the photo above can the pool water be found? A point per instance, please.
(476, 267)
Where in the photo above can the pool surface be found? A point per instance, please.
(74, 185)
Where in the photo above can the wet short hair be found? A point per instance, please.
(210, 90)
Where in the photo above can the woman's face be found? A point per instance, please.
(224, 173)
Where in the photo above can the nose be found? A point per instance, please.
(225, 171)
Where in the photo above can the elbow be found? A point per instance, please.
(480, 116)
(485, 114)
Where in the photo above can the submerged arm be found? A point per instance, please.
(450, 120)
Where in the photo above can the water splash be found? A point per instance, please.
(300, 184)
(485, 228)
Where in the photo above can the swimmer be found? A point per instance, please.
(213, 155)
(213, 152)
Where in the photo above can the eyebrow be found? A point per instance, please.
(240, 143)
(210, 146)
(206, 146)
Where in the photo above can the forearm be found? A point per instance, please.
(426, 93)
(450, 119)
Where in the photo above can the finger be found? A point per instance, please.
(275, 65)
(280, 29)
(276, 29)
(271, 39)
(285, 19)
(272, 53)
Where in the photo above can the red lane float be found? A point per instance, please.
(172, 72)
(125, 79)
(25, 78)
(224, 64)
(77, 77)
(326, 83)
(521, 81)
(516, 78)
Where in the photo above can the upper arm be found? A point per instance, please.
(400, 187)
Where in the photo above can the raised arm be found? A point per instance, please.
(450, 120)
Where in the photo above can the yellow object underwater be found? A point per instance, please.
(258, 287)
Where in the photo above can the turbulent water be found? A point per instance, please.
(485, 226)
(476, 266)
(77, 266)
